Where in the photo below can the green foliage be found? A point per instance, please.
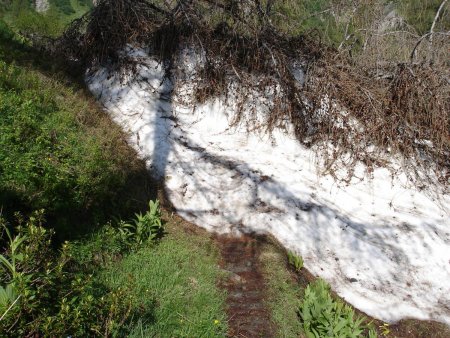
(334, 20)
(8, 297)
(385, 330)
(44, 157)
(56, 152)
(21, 15)
(297, 17)
(144, 228)
(112, 241)
(45, 293)
(11, 45)
(65, 6)
(103, 247)
(295, 261)
(322, 316)
(30, 21)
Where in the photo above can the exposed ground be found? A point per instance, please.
(248, 315)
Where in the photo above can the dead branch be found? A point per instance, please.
(436, 18)
(359, 109)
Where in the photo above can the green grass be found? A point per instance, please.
(420, 14)
(176, 282)
(284, 293)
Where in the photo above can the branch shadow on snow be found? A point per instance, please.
(317, 222)
(371, 260)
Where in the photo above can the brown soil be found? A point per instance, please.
(245, 285)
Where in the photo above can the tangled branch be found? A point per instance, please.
(340, 108)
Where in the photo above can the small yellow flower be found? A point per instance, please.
(216, 322)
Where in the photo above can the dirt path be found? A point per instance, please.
(247, 313)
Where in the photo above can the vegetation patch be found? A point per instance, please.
(177, 279)
(283, 291)
(322, 316)
(44, 292)
(59, 152)
(108, 284)
(304, 306)
(295, 261)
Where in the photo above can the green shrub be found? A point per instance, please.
(322, 316)
(113, 240)
(61, 154)
(41, 291)
(144, 228)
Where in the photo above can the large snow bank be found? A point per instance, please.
(382, 244)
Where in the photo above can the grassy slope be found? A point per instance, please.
(58, 151)
(284, 294)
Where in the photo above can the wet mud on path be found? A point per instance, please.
(247, 313)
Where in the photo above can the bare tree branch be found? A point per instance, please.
(436, 18)
(413, 53)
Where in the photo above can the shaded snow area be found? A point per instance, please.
(382, 245)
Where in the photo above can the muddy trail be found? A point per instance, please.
(247, 313)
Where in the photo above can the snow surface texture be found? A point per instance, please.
(381, 244)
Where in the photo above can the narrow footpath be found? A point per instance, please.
(247, 313)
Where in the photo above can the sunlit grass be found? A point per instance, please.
(176, 282)
(284, 294)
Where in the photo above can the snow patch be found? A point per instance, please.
(382, 245)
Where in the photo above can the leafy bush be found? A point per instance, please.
(46, 294)
(295, 261)
(61, 154)
(144, 228)
(112, 241)
(324, 317)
